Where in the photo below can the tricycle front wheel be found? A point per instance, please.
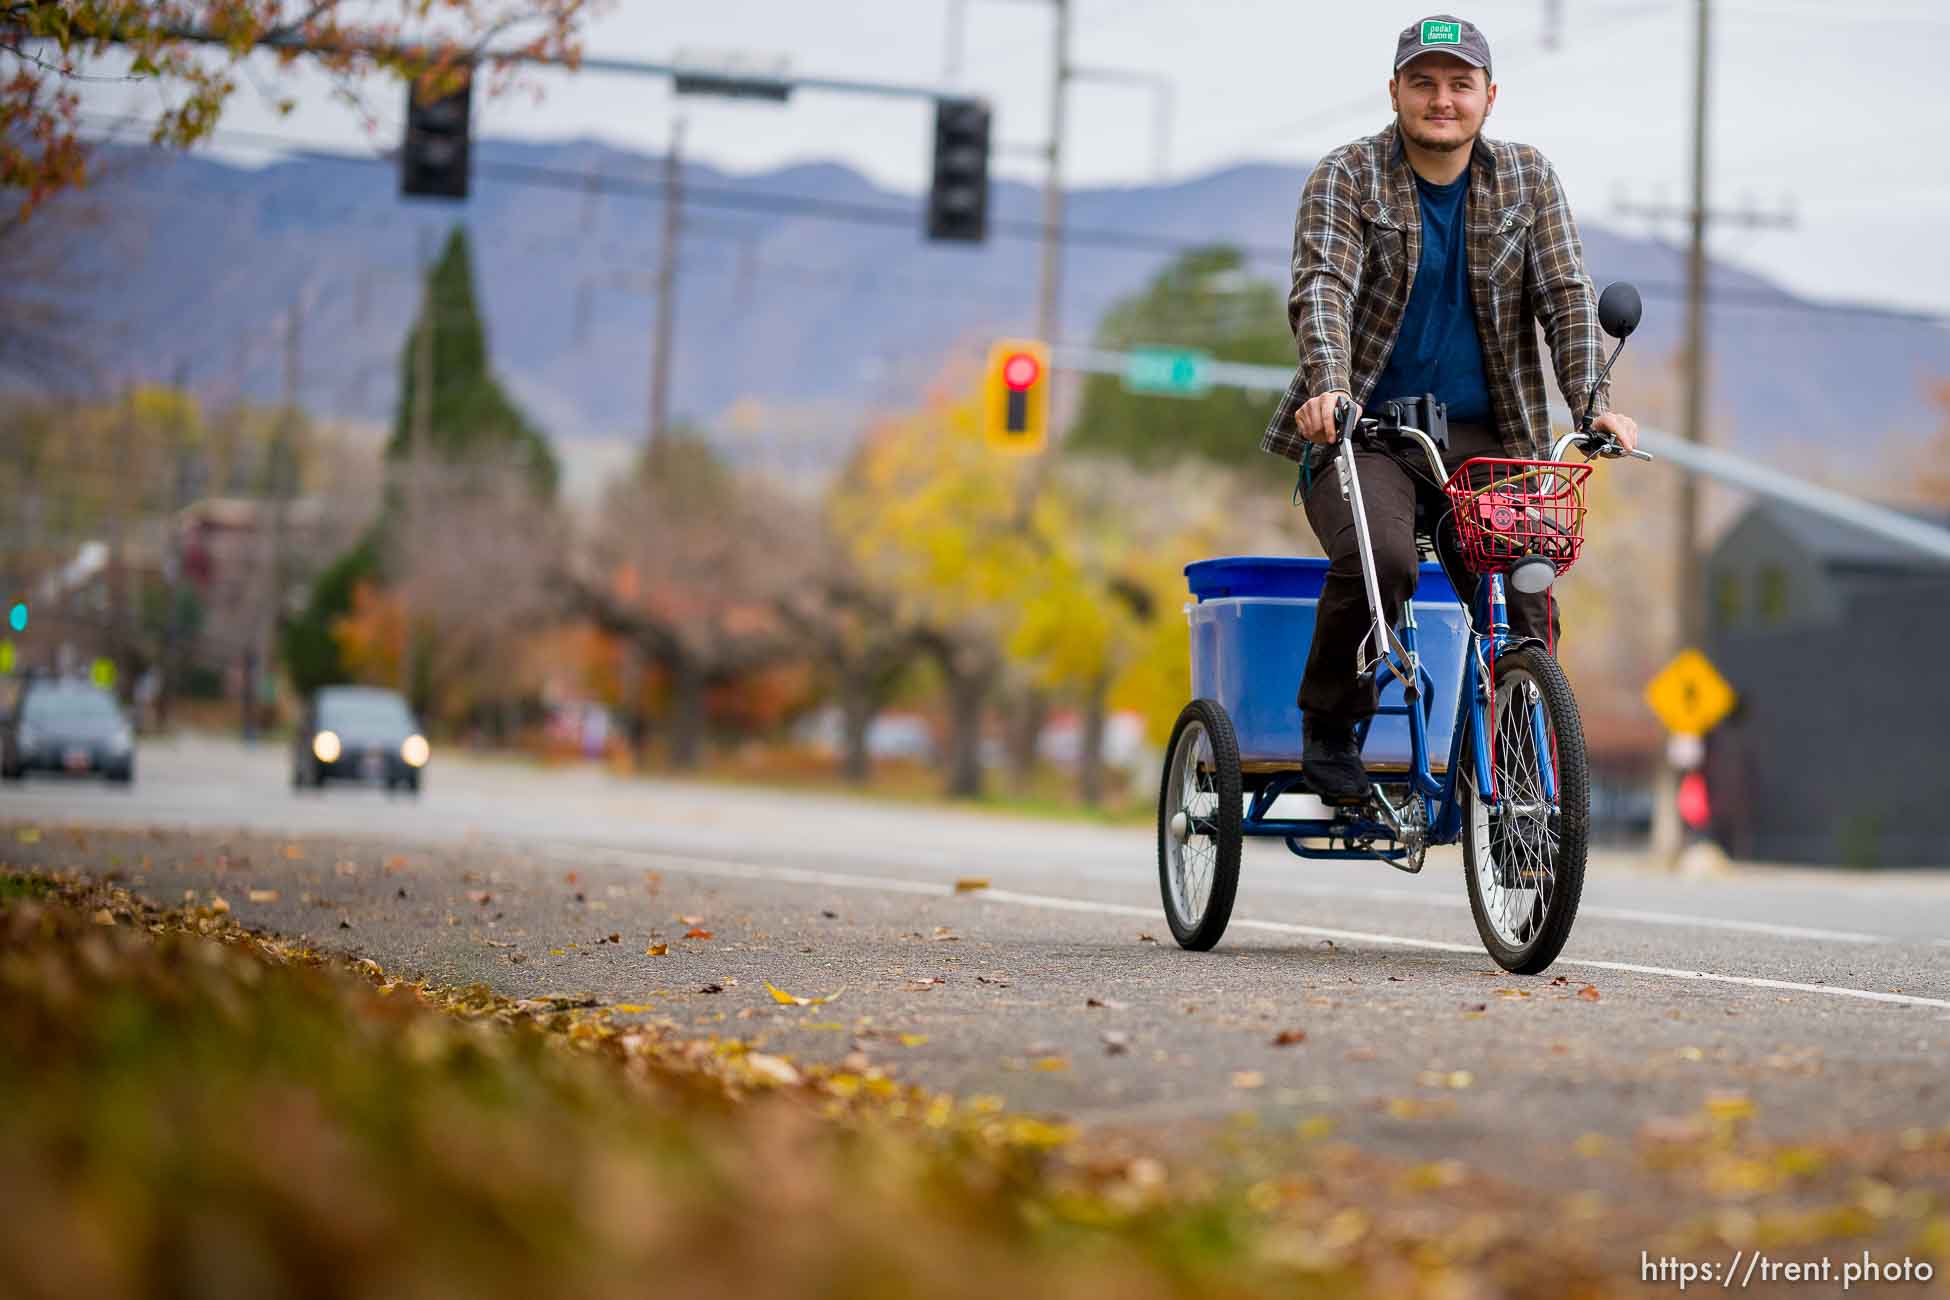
(1524, 856)
(1199, 835)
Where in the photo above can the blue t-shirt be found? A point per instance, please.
(1437, 350)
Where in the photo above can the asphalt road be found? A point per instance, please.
(1823, 997)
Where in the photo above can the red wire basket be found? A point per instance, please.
(1507, 509)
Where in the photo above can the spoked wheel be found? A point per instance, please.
(1524, 858)
(1198, 825)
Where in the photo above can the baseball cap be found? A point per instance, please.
(1443, 34)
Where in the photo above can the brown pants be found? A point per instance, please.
(1390, 486)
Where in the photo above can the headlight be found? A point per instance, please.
(416, 751)
(325, 745)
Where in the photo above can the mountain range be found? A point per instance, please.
(806, 297)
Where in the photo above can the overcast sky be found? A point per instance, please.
(1834, 112)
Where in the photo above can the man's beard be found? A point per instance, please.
(1436, 146)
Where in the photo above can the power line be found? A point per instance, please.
(908, 216)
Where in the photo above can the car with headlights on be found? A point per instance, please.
(58, 725)
(359, 733)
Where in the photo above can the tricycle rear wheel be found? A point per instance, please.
(1199, 834)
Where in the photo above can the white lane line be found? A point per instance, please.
(1431, 899)
(1051, 902)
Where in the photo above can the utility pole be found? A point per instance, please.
(1667, 835)
(419, 440)
(283, 475)
(666, 289)
(1049, 310)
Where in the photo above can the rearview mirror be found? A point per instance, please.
(1619, 309)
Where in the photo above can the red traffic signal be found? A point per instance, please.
(1021, 371)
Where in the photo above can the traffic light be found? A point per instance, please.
(1015, 396)
(958, 200)
(433, 157)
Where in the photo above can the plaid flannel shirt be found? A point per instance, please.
(1356, 243)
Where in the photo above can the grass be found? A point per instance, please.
(193, 1109)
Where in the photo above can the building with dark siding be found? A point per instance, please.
(1839, 749)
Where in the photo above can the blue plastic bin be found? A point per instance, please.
(1251, 627)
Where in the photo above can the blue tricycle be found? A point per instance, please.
(1476, 737)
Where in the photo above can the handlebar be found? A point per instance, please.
(1593, 446)
(1596, 446)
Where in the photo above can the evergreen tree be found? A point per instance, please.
(1202, 300)
(472, 416)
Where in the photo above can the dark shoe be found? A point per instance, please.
(1331, 763)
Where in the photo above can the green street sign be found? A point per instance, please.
(1167, 372)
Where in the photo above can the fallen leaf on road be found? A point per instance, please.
(712, 988)
(971, 884)
(1729, 1105)
(1288, 1037)
(1358, 1054)
(571, 877)
(104, 917)
(217, 904)
(481, 896)
(1691, 1054)
(1116, 1042)
(1445, 1078)
(1476, 1008)
(696, 932)
(942, 934)
(1052, 1064)
(294, 853)
(264, 895)
(915, 986)
(1147, 938)
(1248, 1079)
(985, 979)
(773, 1069)
(691, 920)
(29, 835)
(1513, 993)
(657, 950)
(1589, 993)
(830, 915)
(615, 938)
(914, 1040)
(783, 998)
(395, 863)
(1398, 979)
(558, 952)
(495, 943)
(1559, 982)
(1108, 1004)
(632, 1008)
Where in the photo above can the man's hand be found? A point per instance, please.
(1316, 416)
(1622, 427)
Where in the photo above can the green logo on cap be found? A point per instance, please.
(1435, 33)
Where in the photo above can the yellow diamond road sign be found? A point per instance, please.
(1689, 695)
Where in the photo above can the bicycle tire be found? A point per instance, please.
(1504, 853)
